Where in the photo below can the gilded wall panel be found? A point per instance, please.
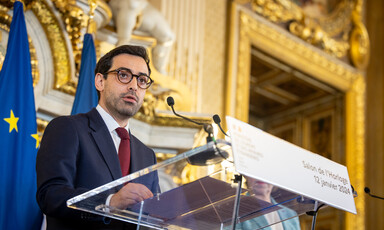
(212, 87)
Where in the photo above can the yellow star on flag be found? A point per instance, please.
(12, 122)
(36, 137)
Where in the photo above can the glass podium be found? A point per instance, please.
(213, 199)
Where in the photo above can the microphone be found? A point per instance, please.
(212, 155)
(368, 191)
(217, 121)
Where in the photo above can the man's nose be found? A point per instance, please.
(133, 84)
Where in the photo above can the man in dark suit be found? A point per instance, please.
(79, 153)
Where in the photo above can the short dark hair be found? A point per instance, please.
(105, 62)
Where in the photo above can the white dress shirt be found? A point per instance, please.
(112, 125)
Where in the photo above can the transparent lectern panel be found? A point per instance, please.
(276, 206)
(206, 201)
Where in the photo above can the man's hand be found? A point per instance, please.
(130, 194)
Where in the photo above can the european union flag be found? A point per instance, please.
(18, 132)
(86, 95)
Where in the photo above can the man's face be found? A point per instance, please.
(122, 101)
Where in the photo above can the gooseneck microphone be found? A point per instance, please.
(207, 127)
(217, 121)
(212, 154)
(368, 191)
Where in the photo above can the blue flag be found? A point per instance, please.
(18, 132)
(86, 95)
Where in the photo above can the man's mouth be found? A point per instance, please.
(130, 98)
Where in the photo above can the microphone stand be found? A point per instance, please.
(238, 179)
(207, 127)
(314, 215)
(368, 191)
(210, 138)
(235, 214)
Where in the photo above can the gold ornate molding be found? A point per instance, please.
(254, 31)
(333, 33)
(242, 100)
(61, 58)
(359, 39)
(304, 52)
(355, 149)
(75, 21)
(91, 24)
(5, 23)
(56, 38)
(250, 30)
(9, 3)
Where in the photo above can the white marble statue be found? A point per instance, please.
(125, 15)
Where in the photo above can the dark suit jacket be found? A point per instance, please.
(77, 154)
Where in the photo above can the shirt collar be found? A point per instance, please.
(108, 119)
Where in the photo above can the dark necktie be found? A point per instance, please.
(124, 151)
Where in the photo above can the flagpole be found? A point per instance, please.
(86, 95)
(91, 27)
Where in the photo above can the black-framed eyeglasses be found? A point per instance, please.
(125, 76)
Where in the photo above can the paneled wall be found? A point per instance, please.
(198, 55)
(375, 115)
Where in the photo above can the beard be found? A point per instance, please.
(121, 108)
(129, 110)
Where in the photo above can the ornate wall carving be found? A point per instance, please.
(58, 46)
(326, 25)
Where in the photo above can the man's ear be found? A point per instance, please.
(99, 82)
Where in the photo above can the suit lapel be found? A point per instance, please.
(135, 160)
(105, 143)
(139, 159)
